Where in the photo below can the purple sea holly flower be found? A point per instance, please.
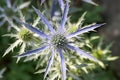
(54, 8)
(61, 3)
(23, 37)
(8, 13)
(58, 40)
(55, 4)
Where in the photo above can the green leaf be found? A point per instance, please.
(12, 46)
(101, 64)
(73, 27)
(10, 35)
(40, 71)
(23, 5)
(112, 58)
(54, 75)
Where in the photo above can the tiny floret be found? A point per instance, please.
(59, 41)
(25, 35)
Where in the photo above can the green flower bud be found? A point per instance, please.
(25, 35)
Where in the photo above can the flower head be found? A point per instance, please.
(9, 12)
(23, 38)
(61, 3)
(59, 40)
(55, 4)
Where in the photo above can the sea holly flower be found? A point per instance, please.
(55, 3)
(8, 13)
(54, 8)
(23, 38)
(58, 40)
(61, 3)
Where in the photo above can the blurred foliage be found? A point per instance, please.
(76, 69)
(94, 12)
